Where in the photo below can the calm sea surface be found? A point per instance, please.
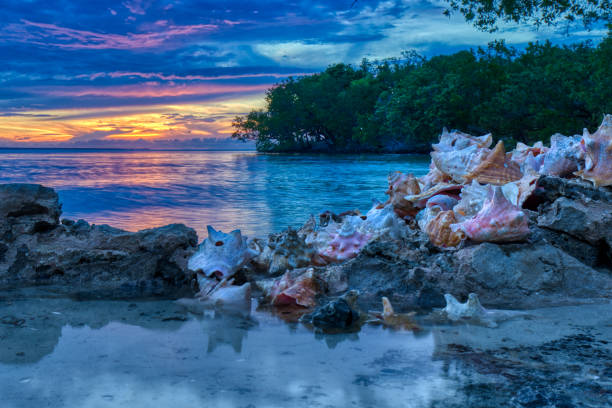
(58, 352)
(256, 193)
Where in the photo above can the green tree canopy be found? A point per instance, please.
(403, 104)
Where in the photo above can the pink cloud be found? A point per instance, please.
(157, 75)
(63, 37)
(147, 90)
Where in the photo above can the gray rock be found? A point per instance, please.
(35, 249)
(586, 220)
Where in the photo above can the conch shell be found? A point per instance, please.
(440, 232)
(300, 291)
(286, 250)
(496, 168)
(433, 177)
(598, 154)
(384, 221)
(456, 140)
(224, 294)
(498, 220)
(456, 164)
(473, 197)
(420, 200)
(563, 158)
(521, 152)
(401, 185)
(345, 244)
(519, 191)
(221, 255)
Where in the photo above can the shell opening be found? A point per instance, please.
(219, 243)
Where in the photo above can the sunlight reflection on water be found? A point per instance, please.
(256, 193)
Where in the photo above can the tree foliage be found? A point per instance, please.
(403, 104)
(485, 14)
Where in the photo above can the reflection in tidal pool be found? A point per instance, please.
(60, 352)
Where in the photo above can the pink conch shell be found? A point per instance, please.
(440, 232)
(598, 154)
(432, 178)
(221, 254)
(401, 185)
(456, 164)
(345, 244)
(496, 168)
(300, 291)
(456, 140)
(497, 221)
(473, 197)
(563, 158)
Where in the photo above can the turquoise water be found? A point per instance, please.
(256, 193)
(60, 352)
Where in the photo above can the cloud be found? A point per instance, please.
(62, 37)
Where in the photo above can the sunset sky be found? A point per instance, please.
(81, 73)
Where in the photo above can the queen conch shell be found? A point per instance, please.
(456, 164)
(517, 192)
(383, 222)
(289, 290)
(496, 168)
(563, 158)
(286, 250)
(456, 140)
(473, 197)
(440, 232)
(420, 200)
(521, 152)
(598, 154)
(498, 220)
(224, 294)
(401, 185)
(221, 255)
(433, 177)
(345, 244)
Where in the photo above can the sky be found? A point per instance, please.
(132, 73)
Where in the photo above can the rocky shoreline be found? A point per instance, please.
(526, 229)
(567, 258)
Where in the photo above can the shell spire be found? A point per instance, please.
(496, 169)
(598, 154)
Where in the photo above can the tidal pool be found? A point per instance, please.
(59, 352)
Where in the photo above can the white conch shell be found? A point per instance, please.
(563, 158)
(459, 163)
(598, 154)
(472, 198)
(383, 222)
(498, 220)
(456, 140)
(221, 254)
(433, 177)
(518, 191)
(456, 310)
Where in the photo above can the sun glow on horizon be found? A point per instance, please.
(176, 121)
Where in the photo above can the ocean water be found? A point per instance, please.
(75, 352)
(257, 193)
